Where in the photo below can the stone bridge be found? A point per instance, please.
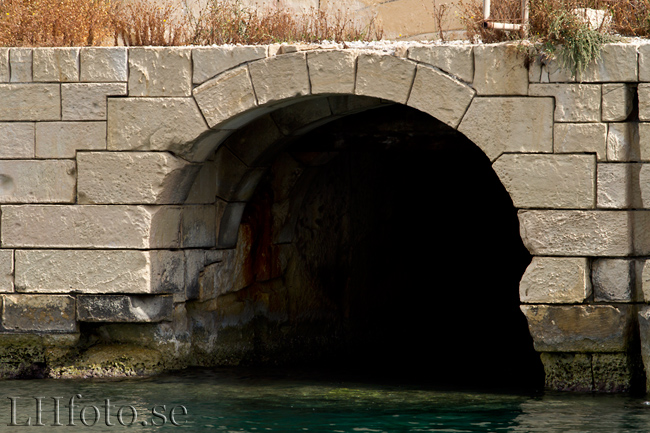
(158, 205)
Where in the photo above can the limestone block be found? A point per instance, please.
(457, 60)
(297, 118)
(16, 140)
(498, 125)
(198, 227)
(580, 328)
(644, 62)
(617, 63)
(133, 178)
(617, 102)
(38, 313)
(573, 102)
(614, 186)
(4, 65)
(332, 71)
(172, 124)
(254, 145)
(160, 71)
(29, 181)
(644, 141)
(386, 77)
(124, 308)
(576, 233)
(440, 95)
(228, 224)
(103, 64)
(6, 271)
(99, 271)
(32, 101)
(229, 172)
(211, 61)
(568, 371)
(535, 71)
(226, 96)
(269, 77)
(642, 280)
(87, 226)
(59, 65)
(548, 181)
(614, 372)
(20, 60)
(644, 333)
(194, 264)
(623, 142)
(581, 138)
(613, 280)
(643, 91)
(556, 280)
(87, 101)
(500, 69)
(63, 139)
(204, 188)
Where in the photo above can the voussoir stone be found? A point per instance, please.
(172, 124)
(581, 138)
(32, 181)
(573, 102)
(88, 226)
(440, 95)
(280, 77)
(226, 96)
(99, 271)
(103, 64)
(211, 61)
(133, 178)
(30, 101)
(457, 60)
(56, 64)
(511, 124)
(63, 139)
(17, 140)
(580, 328)
(556, 280)
(384, 76)
(500, 69)
(548, 181)
(39, 313)
(160, 71)
(124, 308)
(332, 71)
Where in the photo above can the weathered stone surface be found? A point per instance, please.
(457, 60)
(643, 90)
(124, 308)
(348, 104)
(32, 101)
(229, 172)
(555, 280)
(56, 64)
(63, 139)
(228, 224)
(99, 271)
(103, 64)
(112, 227)
(548, 181)
(87, 101)
(254, 144)
(500, 69)
(614, 186)
(576, 233)
(204, 188)
(440, 95)
(568, 371)
(332, 71)
(614, 372)
(573, 102)
(623, 142)
(385, 77)
(198, 226)
(211, 61)
(617, 102)
(172, 124)
(4, 65)
(160, 71)
(6, 271)
(37, 181)
(225, 96)
(580, 328)
(644, 333)
(642, 279)
(20, 60)
(300, 117)
(581, 138)
(613, 280)
(644, 62)
(498, 125)
(133, 178)
(16, 140)
(617, 63)
(39, 313)
(644, 141)
(269, 77)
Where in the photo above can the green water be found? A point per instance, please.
(246, 401)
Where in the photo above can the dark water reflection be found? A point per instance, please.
(246, 401)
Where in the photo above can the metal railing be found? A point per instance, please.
(491, 24)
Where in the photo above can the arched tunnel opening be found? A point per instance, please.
(383, 243)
